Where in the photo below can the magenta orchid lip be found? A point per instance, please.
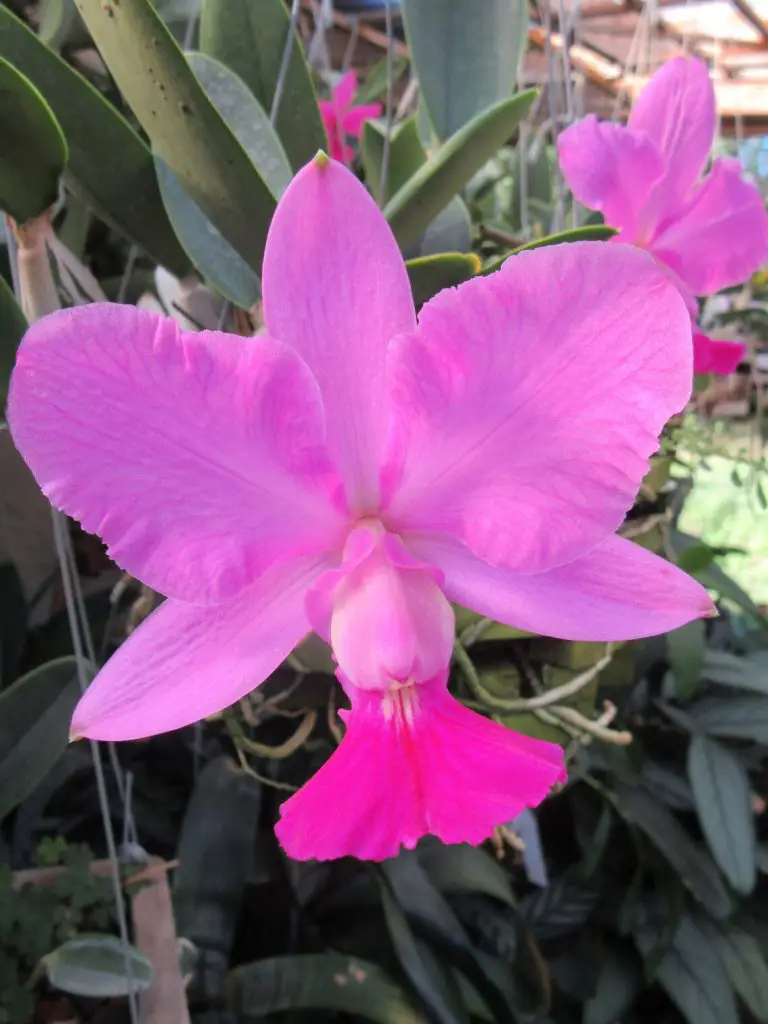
(353, 471)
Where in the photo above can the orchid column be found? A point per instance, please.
(353, 471)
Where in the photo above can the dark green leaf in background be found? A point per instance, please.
(95, 966)
(430, 274)
(618, 982)
(184, 127)
(423, 971)
(12, 327)
(35, 715)
(451, 229)
(210, 252)
(741, 717)
(685, 648)
(319, 981)
(415, 205)
(109, 166)
(745, 964)
(693, 975)
(690, 860)
(375, 85)
(721, 789)
(33, 153)
(587, 233)
(248, 36)
(466, 55)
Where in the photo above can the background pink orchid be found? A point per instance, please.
(716, 355)
(353, 471)
(710, 232)
(343, 118)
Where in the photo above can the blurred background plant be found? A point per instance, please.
(144, 148)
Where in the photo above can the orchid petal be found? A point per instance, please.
(676, 111)
(336, 290)
(186, 663)
(716, 355)
(332, 133)
(527, 403)
(355, 118)
(198, 458)
(411, 764)
(611, 169)
(720, 236)
(344, 92)
(619, 591)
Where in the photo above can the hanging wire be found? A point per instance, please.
(384, 175)
(65, 553)
(285, 61)
(553, 103)
(189, 32)
(123, 789)
(317, 50)
(349, 49)
(13, 257)
(125, 280)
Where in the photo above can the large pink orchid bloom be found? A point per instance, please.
(352, 472)
(709, 232)
(343, 118)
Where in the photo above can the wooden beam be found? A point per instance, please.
(749, 14)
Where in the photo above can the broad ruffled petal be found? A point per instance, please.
(619, 591)
(355, 118)
(716, 355)
(676, 111)
(198, 458)
(344, 91)
(412, 763)
(720, 236)
(611, 169)
(527, 403)
(186, 663)
(336, 289)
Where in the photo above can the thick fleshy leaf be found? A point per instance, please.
(319, 981)
(110, 167)
(611, 169)
(676, 111)
(720, 237)
(35, 153)
(526, 405)
(721, 788)
(619, 591)
(186, 663)
(336, 289)
(466, 55)
(183, 125)
(198, 458)
(249, 37)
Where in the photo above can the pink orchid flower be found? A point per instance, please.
(343, 118)
(352, 471)
(709, 232)
(716, 355)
